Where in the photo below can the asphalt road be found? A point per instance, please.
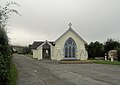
(47, 72)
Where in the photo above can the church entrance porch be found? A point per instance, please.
(46, 51)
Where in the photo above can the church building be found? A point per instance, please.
(68, 46)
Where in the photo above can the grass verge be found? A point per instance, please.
(13, 74)
(106, 62)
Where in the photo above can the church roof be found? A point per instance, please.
(70, 29)
(36, 44)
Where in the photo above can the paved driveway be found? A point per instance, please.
(46, 72)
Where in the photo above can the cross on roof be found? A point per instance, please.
(70, 24)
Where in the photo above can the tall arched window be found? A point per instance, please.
(70, 48)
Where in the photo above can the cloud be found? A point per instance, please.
(48, 19)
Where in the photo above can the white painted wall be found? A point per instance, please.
(37, 53)
(59, 46)
(57, 52)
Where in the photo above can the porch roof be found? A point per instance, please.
(36, 44)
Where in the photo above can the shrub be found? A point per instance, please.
(5, 51)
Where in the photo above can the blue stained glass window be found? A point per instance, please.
(73, 51)
(70, 48)
(70, 41)
(66, 52)
(69, 51)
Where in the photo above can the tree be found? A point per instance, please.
(110, 44)
(118, 53)
(26, 50)
(95, 49)
(5, 51)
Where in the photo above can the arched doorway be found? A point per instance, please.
(46, 51)
(70, 48)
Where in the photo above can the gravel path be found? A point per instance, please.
(46, 72)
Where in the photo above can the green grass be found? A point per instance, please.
(106, 62)
(13, 74)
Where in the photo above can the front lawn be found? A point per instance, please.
(106, 62)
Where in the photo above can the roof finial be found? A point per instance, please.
(70, 24)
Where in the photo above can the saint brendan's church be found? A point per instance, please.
(68, 46)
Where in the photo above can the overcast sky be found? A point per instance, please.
(93, 20)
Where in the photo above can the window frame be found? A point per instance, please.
(70, 45)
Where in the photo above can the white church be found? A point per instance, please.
(68, 46)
